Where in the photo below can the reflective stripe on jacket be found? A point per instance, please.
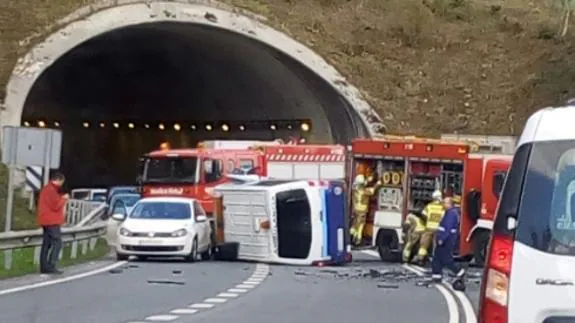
(361, 199)
(433, 212)
(419, 225)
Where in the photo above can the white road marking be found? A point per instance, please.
(242, 285)
(452, 307)
(255, 280)
(186, 311)
(162, 318)
(247, 282)
(61, 280)
(259, 276)
(215, 300)
(202, 306)
(229, 295)
(468, 311)
(237, 290)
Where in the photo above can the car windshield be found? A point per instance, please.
(171, 169)
(127, 200)
(161, 211)
(546, 219)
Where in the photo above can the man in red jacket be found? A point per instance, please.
(51, 216)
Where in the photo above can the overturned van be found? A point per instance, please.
(282, 221)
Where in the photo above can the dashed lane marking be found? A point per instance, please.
(260, 273)
(162, 318)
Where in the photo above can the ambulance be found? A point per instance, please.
(282, 221)
(410, 169)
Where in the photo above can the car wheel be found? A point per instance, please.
(207, 255)
(121, 257)
(193, 256)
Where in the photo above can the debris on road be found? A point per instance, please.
(392, 286)
(166, 282)
(176, 271)
(116, 271)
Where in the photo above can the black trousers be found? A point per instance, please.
(51, 246)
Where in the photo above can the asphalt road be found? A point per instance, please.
(367, 291)
(125, 296)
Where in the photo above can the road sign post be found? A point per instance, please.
(22, 146)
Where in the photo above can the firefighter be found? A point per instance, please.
(414, 227)
(433, 213)
(445, 240)
(361, 196)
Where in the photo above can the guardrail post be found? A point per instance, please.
(37, 255)
(93, 242)
(84, 246)
(8, 259)
(74, 250)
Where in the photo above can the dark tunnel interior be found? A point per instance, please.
(113, 93)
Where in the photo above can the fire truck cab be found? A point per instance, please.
(409, 169)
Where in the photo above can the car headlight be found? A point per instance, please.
(179, 233)
(125, 232)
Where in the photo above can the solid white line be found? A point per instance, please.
(185, 311)
(162, 318)
(61, 280)
(215, 300)
(245, 286)
(452, 307)
(237, 290)
(468, 310)
(230, 295)
(201, 305)
(371, 253)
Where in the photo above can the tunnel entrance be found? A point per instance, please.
(125, 91)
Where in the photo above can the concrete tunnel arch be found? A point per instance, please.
(91, 22)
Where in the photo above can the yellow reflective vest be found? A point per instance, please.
(416, 222)
(361, 199)
(433, 213)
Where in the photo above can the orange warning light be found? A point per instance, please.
(165, 146)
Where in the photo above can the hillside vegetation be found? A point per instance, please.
(428, 66)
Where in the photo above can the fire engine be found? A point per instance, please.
(195, 172)
(410, 169)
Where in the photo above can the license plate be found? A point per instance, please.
(150, 242)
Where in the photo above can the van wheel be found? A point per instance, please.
(384, 242)
(207, 255)
(480, 244)
(193, 256)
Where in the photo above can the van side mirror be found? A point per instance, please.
(119, 216)
(201, 218)
(498, 181)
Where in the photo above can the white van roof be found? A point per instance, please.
(549, 124)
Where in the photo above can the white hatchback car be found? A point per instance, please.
(164, 227)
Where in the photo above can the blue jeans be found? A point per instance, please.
(443, 257)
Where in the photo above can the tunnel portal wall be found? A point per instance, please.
(107, 16)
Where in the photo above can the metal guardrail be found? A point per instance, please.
(77, 210)
(81, 239)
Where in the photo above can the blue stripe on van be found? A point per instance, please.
(324, 247)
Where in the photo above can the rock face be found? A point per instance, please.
(428, 66)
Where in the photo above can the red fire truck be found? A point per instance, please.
(410, 169)
(194, 172)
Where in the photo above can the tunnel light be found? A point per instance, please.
(273, 127)
(41, 124)
(116, 125)
(161, 126)
(177, 127)
(289, 127)
(193, 127)
(305, 126)
(26, 124)
(225, 127)
(86, 124)
(56, 124)
(147, 126)
(242, 127)
(131, 125)
(102, 125)
(209, 127)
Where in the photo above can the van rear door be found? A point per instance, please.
(542, 268)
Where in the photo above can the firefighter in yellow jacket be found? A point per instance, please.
(414, 227)
(433, 213)
(361, 197)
